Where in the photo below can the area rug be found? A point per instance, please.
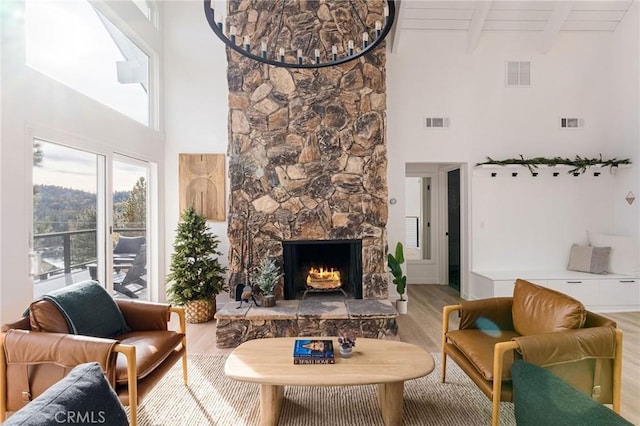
(213, 399)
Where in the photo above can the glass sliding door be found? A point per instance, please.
(67, 214)
(130, 233)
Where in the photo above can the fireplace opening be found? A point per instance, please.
(322, 266)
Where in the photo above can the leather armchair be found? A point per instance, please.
(542, 327)
(36, 354)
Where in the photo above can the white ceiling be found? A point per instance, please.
(548, 18)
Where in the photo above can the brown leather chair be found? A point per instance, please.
(540, 326)
(34, 354)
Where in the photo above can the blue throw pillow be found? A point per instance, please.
(89, 310)
(83, 397)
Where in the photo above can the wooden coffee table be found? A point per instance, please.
(387, 363)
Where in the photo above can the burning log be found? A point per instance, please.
(321, 279)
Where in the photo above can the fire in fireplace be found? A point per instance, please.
(319, 278)
(322, 266)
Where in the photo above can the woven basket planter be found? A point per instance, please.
(197, 311)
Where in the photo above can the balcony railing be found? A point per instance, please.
(66, 251)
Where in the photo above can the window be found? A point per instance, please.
(144, 7)
(76, 45)
(66, 197)
(71, 242)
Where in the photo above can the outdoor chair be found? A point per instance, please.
(134, 280)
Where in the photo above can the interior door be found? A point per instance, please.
(453, 227)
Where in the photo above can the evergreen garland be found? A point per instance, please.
(579, 164)
(196, 273)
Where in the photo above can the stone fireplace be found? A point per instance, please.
(307, 151)
(308, 163)
(336, 263)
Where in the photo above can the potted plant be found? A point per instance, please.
(196, 275)
(266, 276)
(394, 262)
(346, 342)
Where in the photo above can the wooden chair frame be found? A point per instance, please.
(500, 349)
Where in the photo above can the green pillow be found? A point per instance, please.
(542, 398)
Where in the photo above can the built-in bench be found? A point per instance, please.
(598, 292)
(373, 318)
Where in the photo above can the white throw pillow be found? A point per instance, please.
(625, 252)
(589, 259)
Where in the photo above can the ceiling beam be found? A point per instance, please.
(477, 23)
(554, 25)
(394, 35)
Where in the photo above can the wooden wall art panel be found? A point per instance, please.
(201, 180)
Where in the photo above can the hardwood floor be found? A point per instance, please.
(422, 326)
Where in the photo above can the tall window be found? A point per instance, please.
(71, 242)
(65, 208)
(74, 44)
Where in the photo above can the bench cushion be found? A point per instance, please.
(538, 310)
(477, 346)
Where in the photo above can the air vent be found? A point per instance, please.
(436, 122)
(518, 74)
(571, 123)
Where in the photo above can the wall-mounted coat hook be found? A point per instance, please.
(514, 174)
(494, 174)
(576, 174)
(534, 174)
(596, 173)
(556, 174)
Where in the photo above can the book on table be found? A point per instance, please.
(313, 351)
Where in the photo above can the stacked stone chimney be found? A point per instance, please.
(307, 147)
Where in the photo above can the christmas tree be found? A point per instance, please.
(196, 273)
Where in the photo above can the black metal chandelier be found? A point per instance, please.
(272, 45)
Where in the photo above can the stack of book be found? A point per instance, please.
(313, 351)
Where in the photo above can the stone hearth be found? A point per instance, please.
(310, 317)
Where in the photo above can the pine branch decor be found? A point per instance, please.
(579, 164)
(196, 273)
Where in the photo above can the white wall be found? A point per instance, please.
(432, 75)
(33, 105)
(624, 132)
(196, 105)
(529, 223)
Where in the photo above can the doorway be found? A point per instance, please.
(435, 224)
(421, 224)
